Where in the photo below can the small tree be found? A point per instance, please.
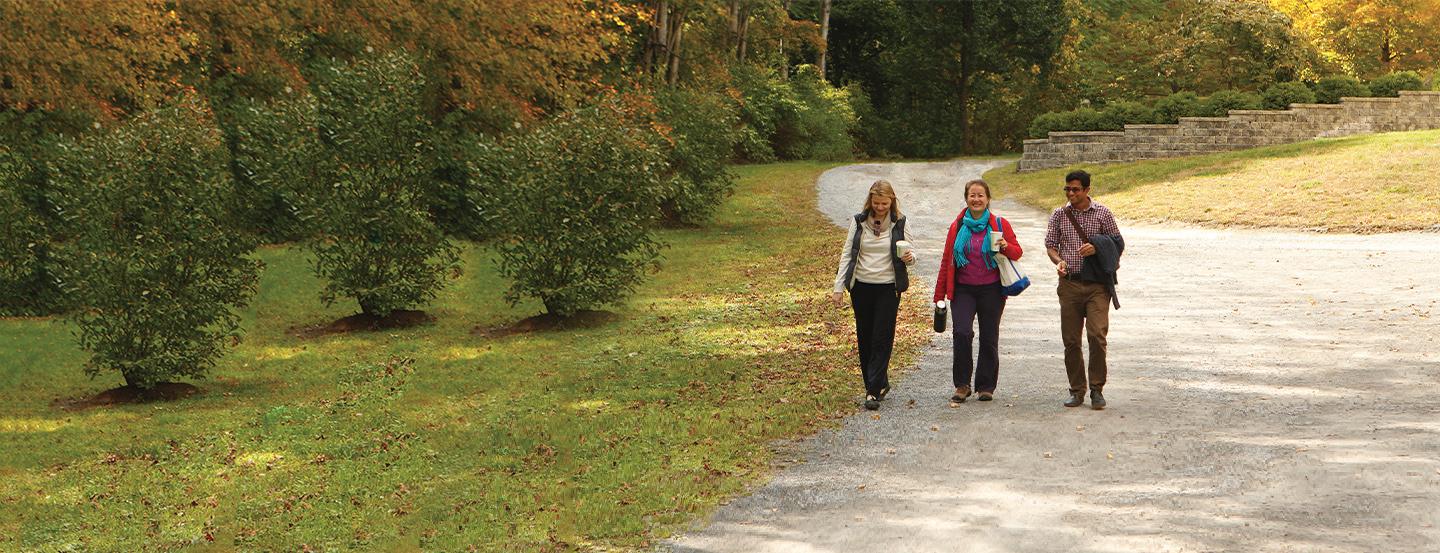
(1281, 95)
(377, 241)
(702, 134)
(154, 260)
(275, 149)
(23, 234)
(576, 200)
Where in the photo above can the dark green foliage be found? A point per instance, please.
(1118, 114)
(576, 200)
(275, 148)
(1281, 95)
(704, 128)
(1390, 85)
(869, 125)
(1220, 103)
(153, 261)
(1331, 89)
(33, 140)
(1170, 109)
(377, 241)
(22, 235)
(1083, 119)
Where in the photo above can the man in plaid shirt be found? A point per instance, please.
(1083, 303)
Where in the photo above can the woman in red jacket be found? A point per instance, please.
(970, 282)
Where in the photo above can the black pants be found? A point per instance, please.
(876, 306)
(987, 302)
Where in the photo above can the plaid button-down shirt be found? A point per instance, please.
(1061, 235)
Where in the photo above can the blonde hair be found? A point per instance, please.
(883, 188)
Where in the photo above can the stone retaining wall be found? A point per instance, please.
(1413, 110)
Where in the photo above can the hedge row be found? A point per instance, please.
(1168, 110)
(143, 230)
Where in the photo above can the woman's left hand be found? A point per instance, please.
(1002, 244)
(908, 258)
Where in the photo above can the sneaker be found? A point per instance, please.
(960, 394)
(1076, 399)
(872, 403)
(1097, 401)
(987, 396)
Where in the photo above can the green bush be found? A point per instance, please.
(1390, 85)
(275, 149)
(152, 259)
(580, 195)
(766, 104)
(1220, 103)
(1281, 95)
(376, 240)
(703, 133)
(869, 125)
(23, 234)
(1082, 119)
(1331, 89)
(1170, 109)
(824, 123)
(1042, 124)
(1118, 114)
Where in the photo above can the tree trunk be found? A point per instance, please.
(967, 66)
(677, 21)
(655, 52)
(784, 61)
(824, 35)
(743, 36)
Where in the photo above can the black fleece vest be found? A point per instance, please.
(897, 233)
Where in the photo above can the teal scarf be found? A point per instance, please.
(968, 227)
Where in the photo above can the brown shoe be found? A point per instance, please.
(987, 396)
(961, 394)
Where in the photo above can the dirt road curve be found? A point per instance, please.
(1269, 391)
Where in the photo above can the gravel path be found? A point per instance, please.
(1298, 411)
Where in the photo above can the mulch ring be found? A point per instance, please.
(126, 395)
(547, 322)
(403, 318)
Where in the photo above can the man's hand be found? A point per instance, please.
(908, 258)
(1061, 269)
(1087, 250)
(838, 298)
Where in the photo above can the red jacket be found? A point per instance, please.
(945, 285)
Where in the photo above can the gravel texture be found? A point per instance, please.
(1269, 391)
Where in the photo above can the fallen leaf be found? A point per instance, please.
(934, 428)
(1079, 428)
(1048, 455)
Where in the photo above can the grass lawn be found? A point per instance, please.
(1364, 184)
(437, 438)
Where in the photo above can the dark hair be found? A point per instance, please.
(981, 183)
(1081, 176)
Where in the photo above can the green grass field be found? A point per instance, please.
(607, 437)
(1365, 184)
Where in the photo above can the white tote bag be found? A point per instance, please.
(1013, 280)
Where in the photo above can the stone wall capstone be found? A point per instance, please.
(1413, 110)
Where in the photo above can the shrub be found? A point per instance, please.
(1331, 89)
(1390, 85)
(1118, 114)
(1220, 103)
(766, 103)
(824, 121)
(703, 133)
(24, 236)
(1041, 126)
(153, 260)
(376, 240)
(275, 149)
(1170, 109)
(1281, 95)
(869, 125)
(579, 195)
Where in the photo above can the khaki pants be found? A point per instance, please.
(1084, 304)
